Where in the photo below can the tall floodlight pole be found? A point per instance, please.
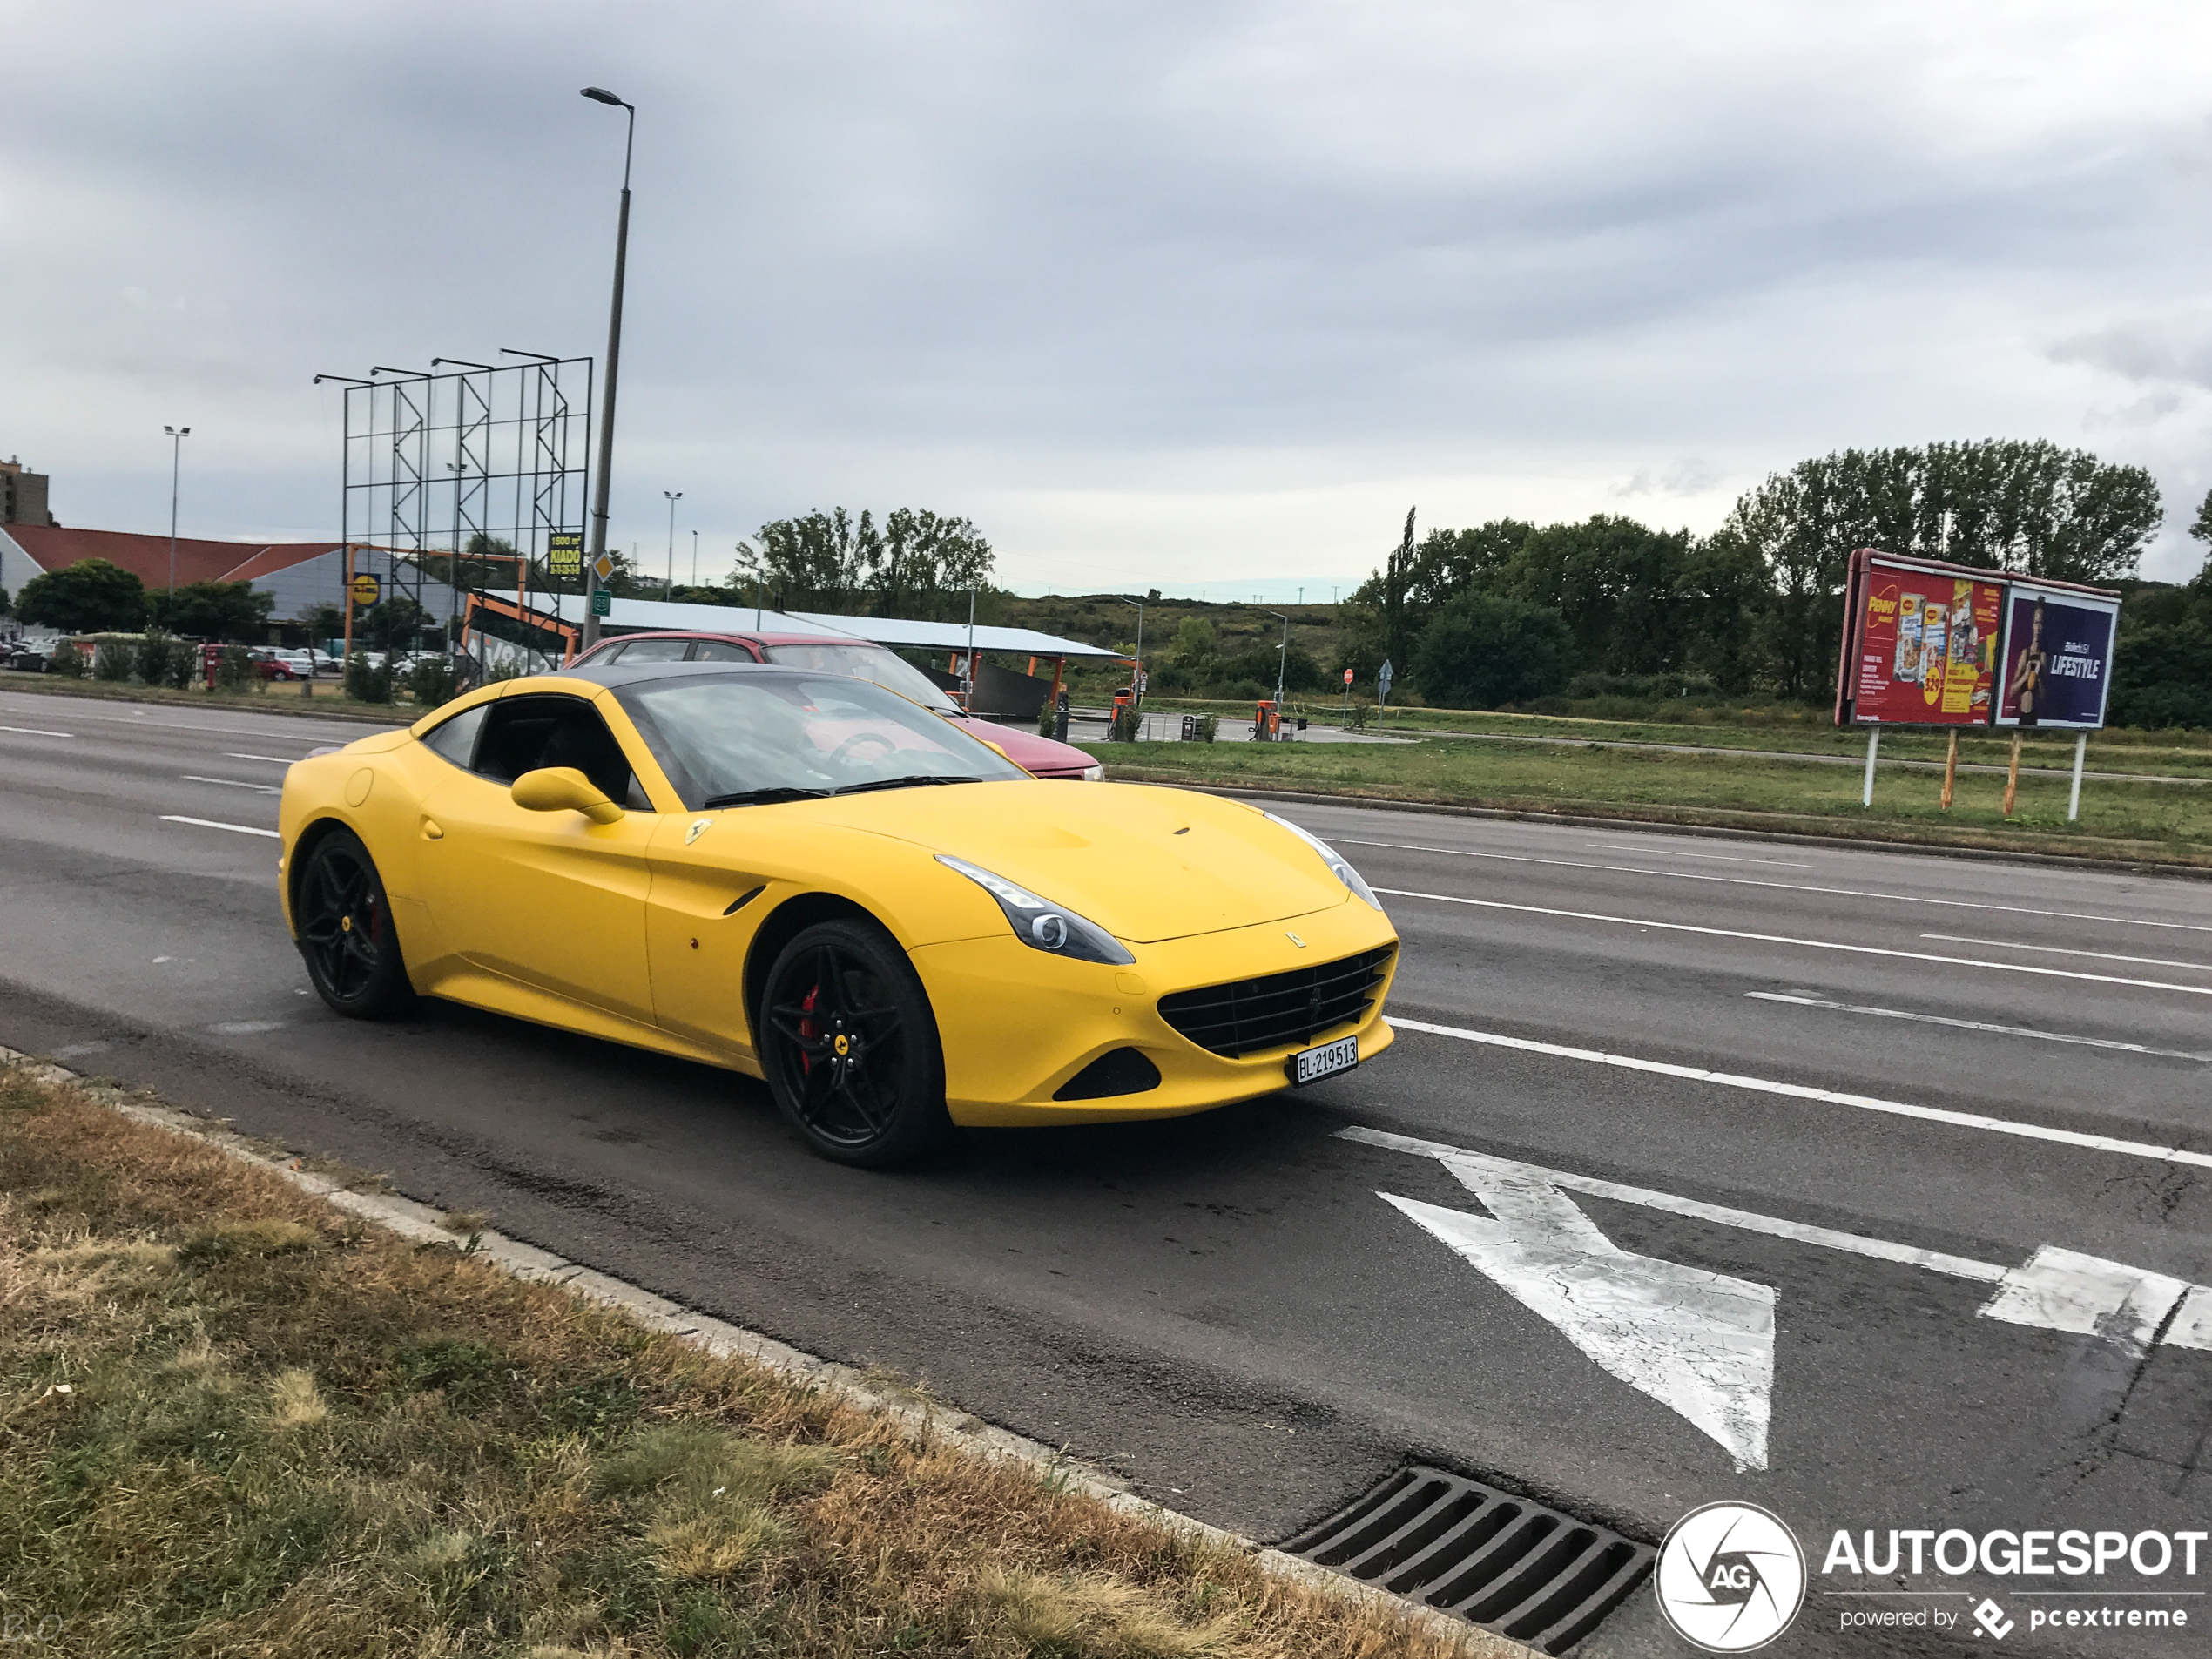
(674, 496)
(177, 436)
(695, 558)
(1282, 659)
(600, 95)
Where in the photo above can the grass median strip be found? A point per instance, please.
(235, 1420)
(2136, 822)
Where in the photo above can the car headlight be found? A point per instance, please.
(1042, 925)
(1333, 859)
(1094, 775)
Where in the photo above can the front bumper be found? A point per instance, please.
(1016, 1024)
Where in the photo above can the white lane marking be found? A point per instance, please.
(2061, 950)
(209, 823)
(2060, 1289)
(274, 760)
(231, 783)
(1974, 1025)
(247, 1028)
(1807, 944)
(336, 736)
(35, 731)
(1797, 1231)
(1716, 858)
(1827, 1097)
(1778, 886)
(1701, 1343)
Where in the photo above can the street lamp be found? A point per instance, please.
(673, 497)
(695, 558)
(1282, 657)
(1136, 686)
(600, 95)
(177, 436)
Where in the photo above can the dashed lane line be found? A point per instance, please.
(231, 783)
(1807, 944)
(1827, 1097)
(1779, 887)
(35, 731)
(274, 760)
(1975, 1025)
(2061, 950)
(209, 823)
(1716, 858)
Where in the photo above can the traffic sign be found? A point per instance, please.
(602, 603)
(604, 564)
(366, 589)
(564, 553)
(1348, 677)
(1383, 679)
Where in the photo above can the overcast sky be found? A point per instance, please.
(1179, 294)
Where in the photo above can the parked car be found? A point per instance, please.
(27, 659)
(1039, 756)
(277, 664)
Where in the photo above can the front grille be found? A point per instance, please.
(1506, 1563)
(1255, 1014)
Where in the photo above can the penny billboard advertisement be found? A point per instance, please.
(2057, 666)
(1926, 647)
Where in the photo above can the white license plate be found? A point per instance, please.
(1311, 1065)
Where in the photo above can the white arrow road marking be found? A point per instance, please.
(1551, 1258)
(1701, 1343)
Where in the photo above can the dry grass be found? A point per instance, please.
(234, 1421)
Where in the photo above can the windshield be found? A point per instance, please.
(866, 663)
(739, 739)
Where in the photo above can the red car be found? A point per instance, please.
(1041, 757)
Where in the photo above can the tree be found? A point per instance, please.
(1421, 579)
(3, 602)
(392, 624)
(212, 609)
(1487, 648)
(1194, 645)
(326, 622)
(834, 562)
(89, 596)
(1619, 585)
(923, 558)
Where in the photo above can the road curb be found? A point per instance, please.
(426, 1224)
(1717, 832)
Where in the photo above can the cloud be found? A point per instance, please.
(1165, 267)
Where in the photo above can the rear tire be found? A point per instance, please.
(345, 933)
(850, 1046)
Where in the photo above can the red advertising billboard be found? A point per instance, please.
(1923, 644)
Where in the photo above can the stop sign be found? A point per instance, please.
(1348, 677)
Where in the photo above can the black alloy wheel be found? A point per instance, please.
(850, 1046)
(344, 929)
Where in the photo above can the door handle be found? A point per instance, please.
(431, 831)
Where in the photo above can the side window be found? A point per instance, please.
(721, 650)
(455, 739)
(601, 657)
(523, 733)
(654, 651)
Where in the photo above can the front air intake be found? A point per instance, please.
(1250, 1015)
(1120, 1071)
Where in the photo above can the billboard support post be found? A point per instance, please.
(1950, 769)
(2012, 774)
(1874, 744)
(2081, 753)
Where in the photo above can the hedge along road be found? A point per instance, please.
(1705, 1077)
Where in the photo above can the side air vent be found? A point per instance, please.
(1119, 1071)
(1508, 1564)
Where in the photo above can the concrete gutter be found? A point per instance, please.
(913, 1411)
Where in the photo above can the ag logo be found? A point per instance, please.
(1730, 1577)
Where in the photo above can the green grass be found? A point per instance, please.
(280, 698)
(2162, 823)
(235, 1421)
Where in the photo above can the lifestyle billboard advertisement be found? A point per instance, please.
(2058, 658)
(1926, 648)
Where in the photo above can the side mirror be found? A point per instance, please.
(558, 789)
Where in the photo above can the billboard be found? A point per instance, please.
(2056, 662)
(1925, 645)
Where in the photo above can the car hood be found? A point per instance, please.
(1144, 863)
(1026, 749)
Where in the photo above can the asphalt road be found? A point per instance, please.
(1224, 1309)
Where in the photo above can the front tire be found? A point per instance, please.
(346, 934)
(850, 1046)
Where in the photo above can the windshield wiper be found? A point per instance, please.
(762, 796)
(902, 783)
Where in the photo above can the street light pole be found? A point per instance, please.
(1282, 660)
(177, 436)
(695, 558)
(600, 95)
(673, 497)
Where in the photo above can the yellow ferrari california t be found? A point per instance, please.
(809, 878)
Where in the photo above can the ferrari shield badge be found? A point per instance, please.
(700, 826)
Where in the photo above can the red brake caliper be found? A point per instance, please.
(806, 1030)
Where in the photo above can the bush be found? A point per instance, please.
(1357, 717)
(67, 661)
(431, 683)
(113, 661)
(368, 681)
(155, 658)
(1206, 727)
(183, 667)
(236, 672)
(1483, 650)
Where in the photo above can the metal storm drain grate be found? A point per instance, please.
(1506, 1563)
